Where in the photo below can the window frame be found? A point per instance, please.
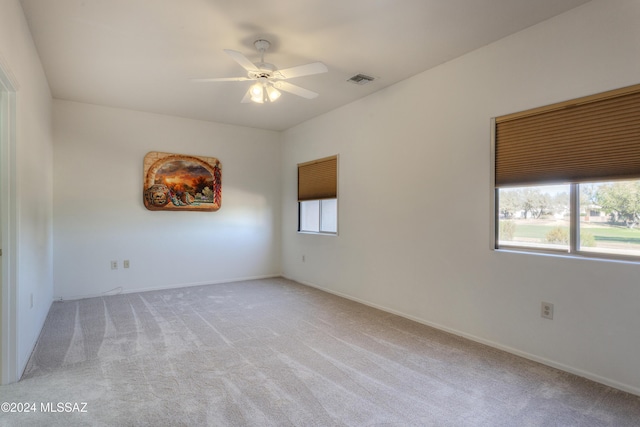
(320, 231)
(574, 222)
(332, 195)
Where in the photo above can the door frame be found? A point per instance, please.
(9, 309)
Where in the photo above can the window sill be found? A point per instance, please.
(318, 233)
(579, 255)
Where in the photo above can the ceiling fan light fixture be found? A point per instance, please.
(257, 93)
(273, 93)
(262, 91)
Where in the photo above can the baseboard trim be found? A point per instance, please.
(548, 362)
(119, 290)
(23, 363)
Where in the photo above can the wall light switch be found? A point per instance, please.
(125, 263)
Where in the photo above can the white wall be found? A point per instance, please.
(33, 173)
(414, 210)
(99, 214)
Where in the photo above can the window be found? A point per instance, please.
(610, 217)
(319, 216)
(317, 196)
(534, 217)
(540, 218)
(567, 177)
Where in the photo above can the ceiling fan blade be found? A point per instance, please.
(247, 97)
(223, 79)
(303, 70)
(296, 90)
(241, 59)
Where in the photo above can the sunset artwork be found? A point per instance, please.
(181, 183)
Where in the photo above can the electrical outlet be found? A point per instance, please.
(125, 263)
(546, 310)
(114, 265)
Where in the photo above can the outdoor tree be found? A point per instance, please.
(532, 202)
(535, 202)
(588, 194)
(621, 200)
(560, 203)
(509, 202)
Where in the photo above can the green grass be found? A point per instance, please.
(532, 231)
(602, 233)
(615, 234)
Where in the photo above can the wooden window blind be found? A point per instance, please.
(318, 179)
(595, 138)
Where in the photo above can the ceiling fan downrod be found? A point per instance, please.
(262, 46)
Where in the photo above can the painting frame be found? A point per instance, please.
(181, 182)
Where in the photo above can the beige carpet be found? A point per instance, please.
(273, 352)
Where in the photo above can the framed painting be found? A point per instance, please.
(178, 182)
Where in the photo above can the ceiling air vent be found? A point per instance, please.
(361, 79)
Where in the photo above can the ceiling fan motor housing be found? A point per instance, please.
(264, 70)
(262, 45)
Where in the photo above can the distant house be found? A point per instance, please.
(593, 213)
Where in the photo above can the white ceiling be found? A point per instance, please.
(140, 54)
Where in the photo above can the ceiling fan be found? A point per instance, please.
(268, 79)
